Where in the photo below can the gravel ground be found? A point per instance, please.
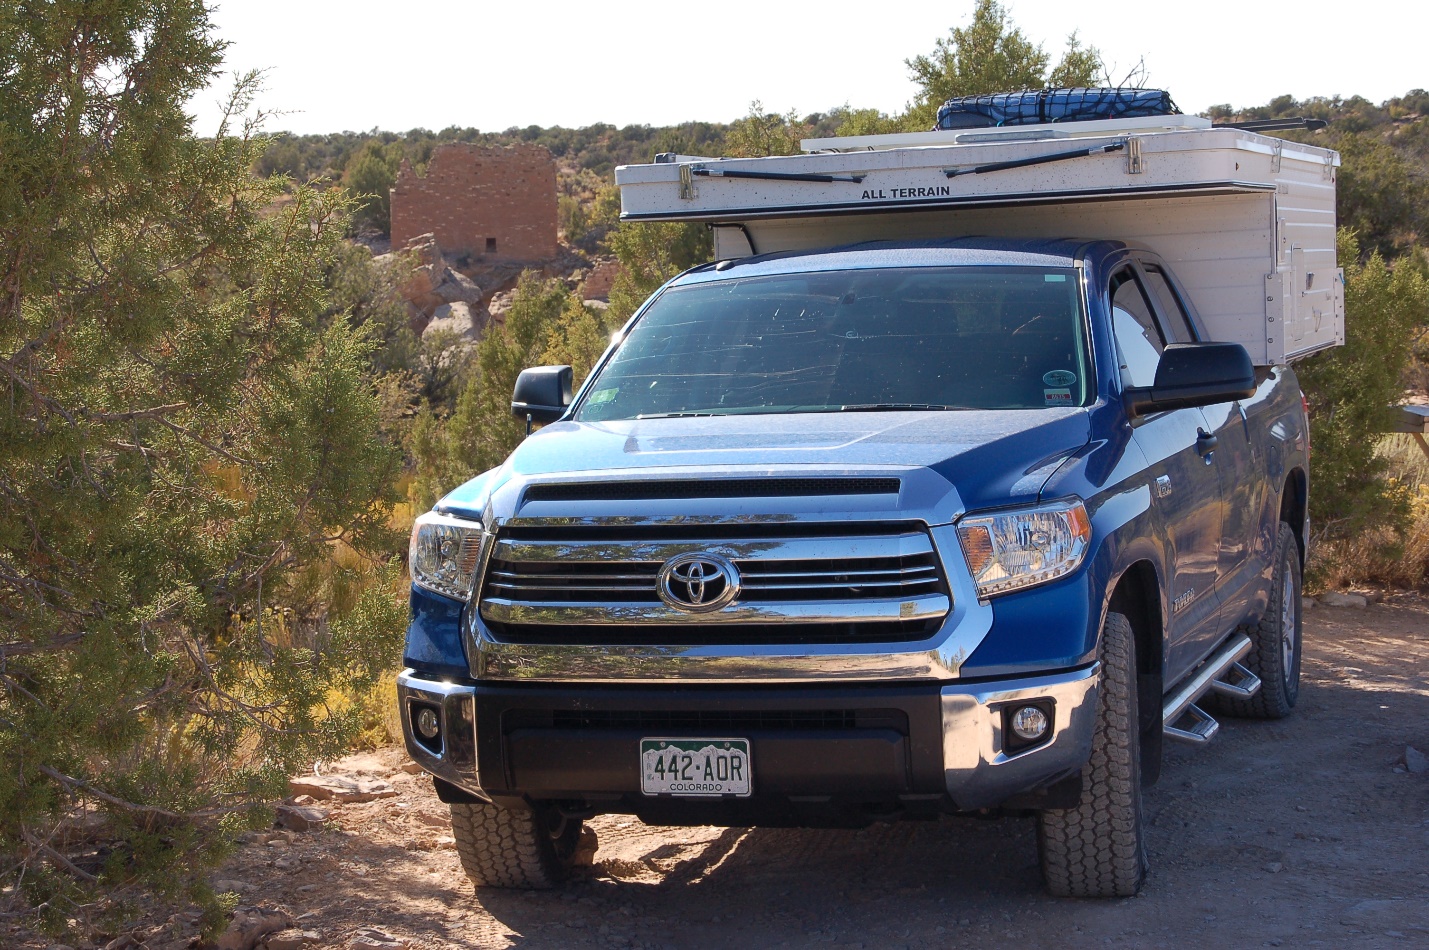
(1300, 833)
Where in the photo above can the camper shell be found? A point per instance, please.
(1247, 221)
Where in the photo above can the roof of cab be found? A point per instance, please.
(943, 252)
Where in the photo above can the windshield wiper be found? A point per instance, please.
(895, 407)
(675, 415)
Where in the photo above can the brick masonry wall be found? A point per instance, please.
(472, 195)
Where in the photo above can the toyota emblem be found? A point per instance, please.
(698, 582)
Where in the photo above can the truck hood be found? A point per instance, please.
(991, 457)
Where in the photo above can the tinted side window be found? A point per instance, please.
(1138, 338)
(1177, 320)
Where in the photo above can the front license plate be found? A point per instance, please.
(699, 767)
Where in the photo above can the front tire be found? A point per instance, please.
(1098, 848)
(1276, 641)
(519, 847)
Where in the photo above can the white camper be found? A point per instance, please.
(1246, 220)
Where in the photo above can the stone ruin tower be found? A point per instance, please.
(494, 203)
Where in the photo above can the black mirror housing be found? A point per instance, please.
(1195, 374)
(542, 393)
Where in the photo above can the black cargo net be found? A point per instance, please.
(1053, 105)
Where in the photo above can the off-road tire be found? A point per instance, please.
(517, 847)
(1098, 848)
(1271, 658)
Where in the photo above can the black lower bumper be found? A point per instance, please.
(819, 755)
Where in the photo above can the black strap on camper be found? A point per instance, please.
(705, 172)
(1275, 125)
(1039, 160)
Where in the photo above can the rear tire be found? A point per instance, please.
(519, 847)
(1098, 848)
(1275, 642)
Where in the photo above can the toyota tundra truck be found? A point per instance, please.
(960, 516)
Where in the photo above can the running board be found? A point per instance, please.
(1182, 703)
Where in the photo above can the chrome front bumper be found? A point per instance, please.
(453, 756)
(978, 772)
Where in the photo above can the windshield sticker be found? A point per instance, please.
(1059, 378)
(1057, 397)
(602, 396)
(1054, 278)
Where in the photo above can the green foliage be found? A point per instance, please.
(481, 431)
(991, 55)
(595, 148)
(868, 122)
(191, 458)
(572, 218)
(764, 133)
(369, 178)
(1352, 389)
(650, 253)
(1380, 195)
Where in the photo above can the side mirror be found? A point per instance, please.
(1195, 374)
(542, 394)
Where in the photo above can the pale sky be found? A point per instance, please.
(400, 65)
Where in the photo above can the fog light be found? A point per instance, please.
(1029, 723)
(427, 723)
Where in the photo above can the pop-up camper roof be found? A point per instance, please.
(1246, 220)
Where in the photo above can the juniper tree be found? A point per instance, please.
(187, 435)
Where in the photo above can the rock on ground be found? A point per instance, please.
(1415, 761)
(300, 817)
(368, 939)
(343, 788)
(456, 287)
(456, 318)
(291, 940)
(251, 924)
(1337, 598)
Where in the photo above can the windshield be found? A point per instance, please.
(920, 338)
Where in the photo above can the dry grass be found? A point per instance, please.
(1383, 557)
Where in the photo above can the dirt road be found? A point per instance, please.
(1299, 833)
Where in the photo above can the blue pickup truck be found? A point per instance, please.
(887, 531)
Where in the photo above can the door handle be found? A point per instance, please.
(1205, 444)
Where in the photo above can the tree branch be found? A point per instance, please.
(26, 648)
(58, 860)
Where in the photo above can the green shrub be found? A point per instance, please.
(1352, 390)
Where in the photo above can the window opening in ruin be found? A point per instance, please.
(491, 245)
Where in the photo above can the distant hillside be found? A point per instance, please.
(1383, 186)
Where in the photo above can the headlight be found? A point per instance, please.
(442, 557)
(1015, 549)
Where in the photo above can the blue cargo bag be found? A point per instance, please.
(1053, 105)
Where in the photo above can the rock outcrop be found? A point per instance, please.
(427, 282)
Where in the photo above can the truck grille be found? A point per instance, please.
(825, 583)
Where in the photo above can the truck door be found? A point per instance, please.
(1245, 538)
(1184, 483)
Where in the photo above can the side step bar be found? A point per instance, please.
(1209, 678)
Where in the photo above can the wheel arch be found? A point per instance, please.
(1137, 596)
(1294, 502)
